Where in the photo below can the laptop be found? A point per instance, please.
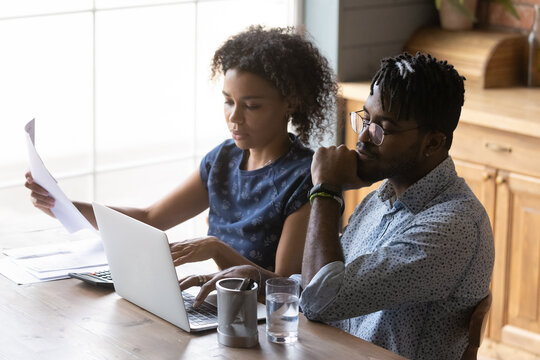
(143, 272)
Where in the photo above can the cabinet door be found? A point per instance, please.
(516, 300)
(481, 180)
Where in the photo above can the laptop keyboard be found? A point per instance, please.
(205, 314)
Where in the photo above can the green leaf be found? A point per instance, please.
(509, 6)
(458, 5)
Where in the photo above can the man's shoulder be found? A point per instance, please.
(459, 203)
(457, 215)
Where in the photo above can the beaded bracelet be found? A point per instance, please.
(339, 199)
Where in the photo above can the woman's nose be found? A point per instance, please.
(234, 115)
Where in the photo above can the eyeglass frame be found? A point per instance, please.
(368, 125)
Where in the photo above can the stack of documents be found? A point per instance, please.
(82, 252)
(53, 261)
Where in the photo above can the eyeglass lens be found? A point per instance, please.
(376, 133)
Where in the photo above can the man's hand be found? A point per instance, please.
(336, 166)
(208, 282)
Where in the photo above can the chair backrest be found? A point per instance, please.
(477, 326)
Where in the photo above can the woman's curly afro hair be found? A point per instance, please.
(293, 65)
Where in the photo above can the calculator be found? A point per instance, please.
(97, 278)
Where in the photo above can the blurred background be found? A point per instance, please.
(120, 89)
(120, 93)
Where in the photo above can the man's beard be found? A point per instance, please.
(397, 169)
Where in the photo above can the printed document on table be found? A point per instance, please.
(63, 209)
(64, 256)
(83, 252)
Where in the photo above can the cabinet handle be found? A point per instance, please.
(500, 180)
(498, 148)
(486, 176)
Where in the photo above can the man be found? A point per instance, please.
(417, 254)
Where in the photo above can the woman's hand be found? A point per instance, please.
(39, 196)
(193, 250)
(208, 282)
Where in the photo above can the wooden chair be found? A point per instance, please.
(477, 326)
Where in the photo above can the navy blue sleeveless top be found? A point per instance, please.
(248, 208)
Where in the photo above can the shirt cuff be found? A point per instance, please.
(322, 289)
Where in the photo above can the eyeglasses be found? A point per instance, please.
(375, 131)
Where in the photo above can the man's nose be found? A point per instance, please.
(363, 135)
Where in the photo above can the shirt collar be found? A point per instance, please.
(424, 190)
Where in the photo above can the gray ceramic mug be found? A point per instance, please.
(237, 313)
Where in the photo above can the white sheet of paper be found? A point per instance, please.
(52, 261)
(73, 255)
(22, 276)
(63, 209)
(57, 254)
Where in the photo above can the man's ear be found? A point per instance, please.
(435, 142)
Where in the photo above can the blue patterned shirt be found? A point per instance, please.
(414, 268)
(248, 208)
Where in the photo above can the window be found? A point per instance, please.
(120, 92)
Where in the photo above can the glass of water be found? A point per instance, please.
(282, 310)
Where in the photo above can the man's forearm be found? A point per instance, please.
(322, 240)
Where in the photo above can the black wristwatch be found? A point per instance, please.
(327, 191)
(326, 188)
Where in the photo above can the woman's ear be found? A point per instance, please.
(292, 105)
(435, 142)
(290, 109)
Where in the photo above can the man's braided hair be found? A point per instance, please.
(423, 89)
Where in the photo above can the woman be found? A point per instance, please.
(255, 184)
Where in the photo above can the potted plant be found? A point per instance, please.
(460, 14)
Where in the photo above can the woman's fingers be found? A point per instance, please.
(189, 281)
(207, 288)
(42, 201)
(206, 282)
(191, 251)
(36, 189)
(39, 196)
(186, 258)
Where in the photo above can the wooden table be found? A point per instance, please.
(67, 319)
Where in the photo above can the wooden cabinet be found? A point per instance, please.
(516, 277)
(496, 149)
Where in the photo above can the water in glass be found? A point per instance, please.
(282, 317)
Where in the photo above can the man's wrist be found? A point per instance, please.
(327, 188)
(327, 191)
